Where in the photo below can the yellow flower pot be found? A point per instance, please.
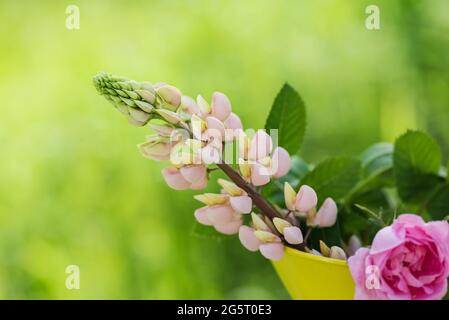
(311, 277)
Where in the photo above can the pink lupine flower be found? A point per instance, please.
(407, 260)
(193, 177)
(223, 211)
(303, 201)
(326, 215)
(260, 162)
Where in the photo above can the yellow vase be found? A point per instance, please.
(310, 277)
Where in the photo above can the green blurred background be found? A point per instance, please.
(75, 190)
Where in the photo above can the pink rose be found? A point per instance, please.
(407, 260)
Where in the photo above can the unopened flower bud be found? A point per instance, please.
(241, 204)
(266, 236)
(354, 245)
(221, 106)
(169, 116)
(337, 253)
(258, 223)
(289, 196)
(230, 188)
(203, 105)
(306, 199)
(272, 251)
(171, 95)
(280, 224)
(325, 250)
(245, 170)
(293, 235)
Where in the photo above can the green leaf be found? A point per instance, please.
(288, 116)
(416, 160)
(334, 177)
(438, 205)
(377, 165)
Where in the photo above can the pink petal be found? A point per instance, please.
(354, 245)
(189, 105)
(201, 216)
(260, 146)
(193, 173)
(327, 214)
(259, 175)
(248, 239)
(174, 179)
(306, 199)
(293, 235)
(280, 163)
(440, 231)
(241, 204)
(220, 214)
(221, 106)
(210, 155)
(215, 128)
(231, 227)
(385, 240)
(272, 251)
(233, 122)
(201, 184)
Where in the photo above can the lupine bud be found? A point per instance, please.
(245, 171)
(310, 215)
(258, 223)
(248, 239)
(139, 115)
(243, 145)
(289, 196)
(188, 105)
(231, 188)
(293, 235)
(203, 105)
(260, 146)
(193, 173)
(221, 106)
(155, 149)
(162, 130)
(306, 199)
(325, 250)
(281, 224)
(315, 252)
(200, 184)
(327, 214)
(354, 244)
(266, 236)
(171, 95)
(169, 116)
(211, 199)
(272, 251)
(201, 216)
(337, 253)
(174, 179)
(127, 96)
(241, 204)
(220, 214)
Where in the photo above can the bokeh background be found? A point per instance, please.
(74, 189)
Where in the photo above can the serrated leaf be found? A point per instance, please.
(438, 204)
(288, 116)
(334, 177)
(416, 161)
